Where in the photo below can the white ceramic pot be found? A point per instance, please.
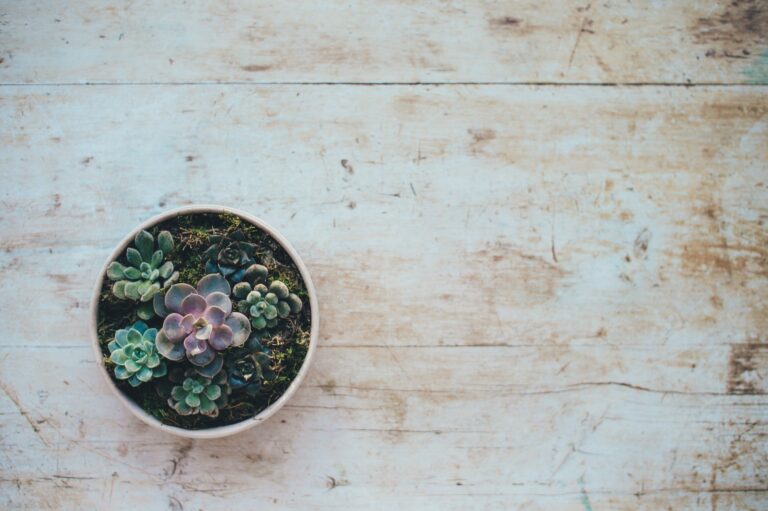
(220, 431)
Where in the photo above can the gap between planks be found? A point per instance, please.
(394, 84)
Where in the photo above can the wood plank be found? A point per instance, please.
(530, 299)
(650, 41)
(452, 446)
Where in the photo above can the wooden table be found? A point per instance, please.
(537, 230)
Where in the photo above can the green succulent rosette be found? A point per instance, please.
(135, 356)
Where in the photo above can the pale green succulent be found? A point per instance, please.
(146, 273)
(265, 304)
(198, 394)
(135, 356)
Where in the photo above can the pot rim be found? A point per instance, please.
(218, 431)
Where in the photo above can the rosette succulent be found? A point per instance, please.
(135, 356)
(199, 323)
(265, 304)
(198, 394)
(146, 274)
(233, 257)
(248, 367)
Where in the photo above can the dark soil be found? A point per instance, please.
(288, 341)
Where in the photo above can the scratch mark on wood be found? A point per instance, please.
(174, 504)
(181, 454)
(505, 21)
(419, 157)
(554, 253)
(24, 413)
(640, 246)
(55, 206)
(254, 68)
(552, 237)
(569, 452)
(348, 166)
(331, 482)
(112, 487)
(584, 22)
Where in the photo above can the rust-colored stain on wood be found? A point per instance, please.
(737, 31)
(747, 368)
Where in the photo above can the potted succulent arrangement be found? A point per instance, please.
(204, 321)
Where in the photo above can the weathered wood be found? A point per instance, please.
(532, 297)
(647, 41)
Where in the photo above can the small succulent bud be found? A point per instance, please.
(241, 290)
(255, 273)
(295, 302)
(283, 309)
(278, 288)
(259, 322)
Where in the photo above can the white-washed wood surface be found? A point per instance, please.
(644, 41)
(540, 297)
(530, 298)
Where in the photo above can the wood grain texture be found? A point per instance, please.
(532, 297)
(647, 41)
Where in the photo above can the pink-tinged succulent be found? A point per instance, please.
(200, 322)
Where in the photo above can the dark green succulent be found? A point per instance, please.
(264, 305)
(146, 273)
(233, 257)
(135, 356)
(198, 394)
(248, 367)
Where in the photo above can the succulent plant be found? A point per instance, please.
(233, 257)
(265, 304)
(146, 274)
(198, 394)
(135, 356)
(199, 323)
(247, 367)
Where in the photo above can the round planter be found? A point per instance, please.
(231, 429)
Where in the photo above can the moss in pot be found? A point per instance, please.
(205, 321)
